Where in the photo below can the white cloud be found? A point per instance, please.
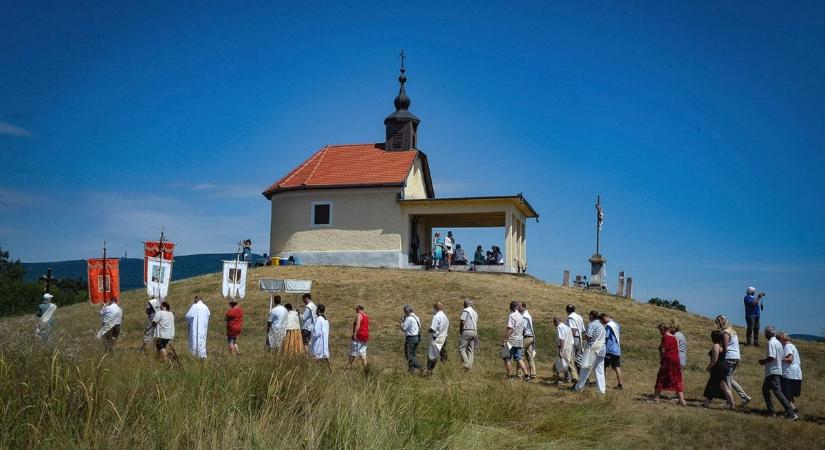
(213, 190)
(126, 218)
(12, 130)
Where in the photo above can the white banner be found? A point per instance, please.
(158, 276)
(234, 279)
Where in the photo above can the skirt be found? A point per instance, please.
(669, 377)
(713, 389)
(293, 342)
(791, 388)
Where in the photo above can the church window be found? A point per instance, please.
(321, 214)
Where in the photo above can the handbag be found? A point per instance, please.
(588, 358)
(505, 351)
(561, 365)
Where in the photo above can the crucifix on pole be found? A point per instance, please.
(599, 220)
(48, 278)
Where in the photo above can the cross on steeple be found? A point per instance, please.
(402, 60)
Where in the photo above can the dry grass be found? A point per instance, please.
(71, 396)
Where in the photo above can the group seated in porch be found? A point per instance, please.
(490, 258)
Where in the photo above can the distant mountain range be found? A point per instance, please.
(131, 269)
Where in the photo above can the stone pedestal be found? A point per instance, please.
(596, 271)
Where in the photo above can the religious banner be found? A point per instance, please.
(104, 281)
(151, 249)
(158, 277)
(234, 279)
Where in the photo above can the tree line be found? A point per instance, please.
(19, 297)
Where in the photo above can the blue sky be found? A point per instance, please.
(700, 125)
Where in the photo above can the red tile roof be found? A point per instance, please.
(356, 165)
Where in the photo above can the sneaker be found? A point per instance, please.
(620, 387)
(793, 416)
(745, 402)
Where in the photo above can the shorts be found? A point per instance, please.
(161, 344)
(516, 354)
(358, 349)
(306, 336)
(232, 340)
(614, 361)
(791, 388)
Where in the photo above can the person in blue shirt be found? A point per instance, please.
(752, 313)
(613, 357)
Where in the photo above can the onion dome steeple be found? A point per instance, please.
(401, 125)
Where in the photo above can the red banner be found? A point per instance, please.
(151, 249)
(103, 284)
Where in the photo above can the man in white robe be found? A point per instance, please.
(438, 330)
(198, 319)
(45, 318)
(276, 325)
(320, 335)
(111, 316)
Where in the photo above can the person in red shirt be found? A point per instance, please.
(360, 337)
(234, 325)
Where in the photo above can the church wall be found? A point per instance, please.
(415, 187)
(366, 227)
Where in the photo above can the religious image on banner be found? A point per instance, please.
(151, 249)
(158, 277)
(103, 284)
(234, 279)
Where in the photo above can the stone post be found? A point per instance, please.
(596, 271)
(566, 280)
(620, 285)
(628, 292)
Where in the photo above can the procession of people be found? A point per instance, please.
(579, 350)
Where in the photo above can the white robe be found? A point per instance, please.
(198, 319)
(440, 326)
(320, 338)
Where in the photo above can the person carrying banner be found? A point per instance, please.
(111, 317)
(198, 319)
(152, 308)
(164, 330)
(45, 318)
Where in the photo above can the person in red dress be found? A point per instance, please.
(234, 325)
(669, 377)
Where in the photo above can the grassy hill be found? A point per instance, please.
(73, 396)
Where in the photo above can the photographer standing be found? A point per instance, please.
(753, 309)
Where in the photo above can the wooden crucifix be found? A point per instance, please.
(48, 278)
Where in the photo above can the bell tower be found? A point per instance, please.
(401, 125)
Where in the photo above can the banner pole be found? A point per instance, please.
(104, 271)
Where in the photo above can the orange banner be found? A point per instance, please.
(151, 249)
(103, 284)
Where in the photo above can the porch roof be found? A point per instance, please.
(441, 204)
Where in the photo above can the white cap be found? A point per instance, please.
(47, 296)
(751, 290)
